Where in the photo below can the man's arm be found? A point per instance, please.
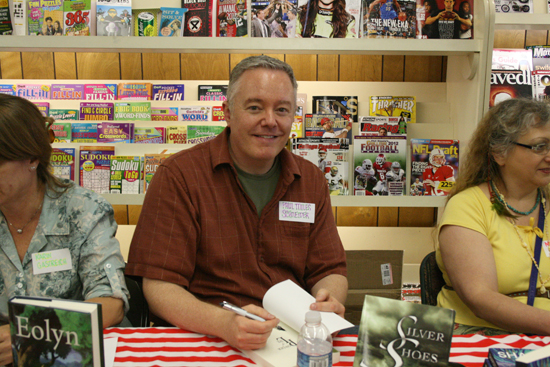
(179, 307)
(330, 294)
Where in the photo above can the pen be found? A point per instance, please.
(242, 312)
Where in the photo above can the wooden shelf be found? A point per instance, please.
(515, 21)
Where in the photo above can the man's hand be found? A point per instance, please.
(6, 356)
(247, 334)
(324, 301)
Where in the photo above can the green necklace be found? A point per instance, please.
(501, 200)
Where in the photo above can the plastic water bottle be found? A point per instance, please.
(314, 343)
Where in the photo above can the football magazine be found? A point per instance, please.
(382, 125)
(327, 126)
(389, 18)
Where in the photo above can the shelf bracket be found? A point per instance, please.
(470, 67)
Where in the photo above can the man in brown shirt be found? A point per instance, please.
(229, 218)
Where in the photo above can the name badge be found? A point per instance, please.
(290, 211)
(51, 261)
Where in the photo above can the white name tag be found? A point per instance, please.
(290, 211)
(51, 261)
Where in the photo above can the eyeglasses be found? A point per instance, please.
(541, 149)
(51, 134)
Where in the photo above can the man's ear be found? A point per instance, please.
(226, 113)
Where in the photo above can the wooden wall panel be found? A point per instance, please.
(121, 214)
(10, 65)
(417, 217)
(131, 66)
(536, 38)
(509, 38)
(360, 68)
(133, 213)
(304, 66)
(234, 59)
(92, 65)
(161, 66)
(204, 66)
(328, 68)
(388, 216)
(356, 216)
(393, 68)
(423, 68)
(37, 65)
(65, 65)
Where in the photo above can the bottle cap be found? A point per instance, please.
(313, 316)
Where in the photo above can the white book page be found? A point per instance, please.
(289, 303)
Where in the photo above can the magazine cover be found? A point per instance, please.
(380, 164)
(114, 17)
(445, 19)
(511, 6)
(6, 28)
(84, 132)
(198, 19)
(115, 132)
(95, 168)
(150, 164)
(297, 130)
(8, 89)
(18, 17)
(195, 113)
(212, 92)
(382, 126)
(312, 21)
(64, 114)
(96, 111)
(168, 92)
(332, 158)
(78, 14)
(541, 85)
(135, 111)
(149, 135)
(33, 91)
(62, 132)
(43, 107)
(164, 114)
(100, 92)
(67, 91)
(540, 57)
(45, 17)
(389, 18)
(434, 166)
(401, 338)
(327, 126)
(505, 357)
(507, 84)
(394, 107)
(125, 174)
(176, 134)
(217, 113)
(512, 59)
(341, 106)
(146, 22)
(231, 19)
(197, 134)
(171, 22)
(63, 162)
(135, 91)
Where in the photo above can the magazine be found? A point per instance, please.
(540, 57)
(150, 164)
(62, 161)
(197, 134)
(149, 135)
(18, 17)
(212, 92)
(62, 132)
(217, 113)
(164, 114)
(389, 18)
(176, 134)
(100, 92)
(45, 18)
(33, 91)
(114, 17)
(512, 59)
(231, 19)
(135, 91)
(77, 19)
(84, 132)
(327, 126)
(96, 111)
(67, 91)
(95, 168)
(125, 174)
(393, 106)
(135, 111)
(342, 106)
(382, 125)
(198, 19)
(115, 132)
(64, 114)
(507, 84)
(168, 92)
(350, 25)
(541, 84)
(146, 22)
(43, 107)
(6, 28)
(195, 113)
(171, 22)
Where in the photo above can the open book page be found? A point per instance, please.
(289, 303)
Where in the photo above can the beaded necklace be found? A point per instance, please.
(500, 198)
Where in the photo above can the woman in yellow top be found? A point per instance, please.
(488, 230)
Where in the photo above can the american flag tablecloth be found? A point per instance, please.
(172, 347)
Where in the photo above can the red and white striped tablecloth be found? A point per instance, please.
(172, 347)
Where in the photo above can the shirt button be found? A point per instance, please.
(19, 285)
(108, 266)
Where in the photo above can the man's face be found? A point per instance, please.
(261, 15)
(382, 132)
(260, 118)
(327, 126)
(449, 5)
(49, 23)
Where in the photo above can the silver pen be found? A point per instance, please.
(242, 312)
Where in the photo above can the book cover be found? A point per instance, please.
(96, 111)
(64, 114)
(67, 91)
(217, 113)
(146, 22)
(507, 84)
(43, 107)
(382, 126)
(84, 132)
(331, 156)
(95, 168)
(411, 334)
(171, 22)
(390, 18)
(135, 91)
(387, 156)
(164, 114)
(168, 92)
(512, 59)
(197, 134)
(393, 106)
(78, 14)
(195, 113)
(125, 174)
(505, 357)
(63, 162)
(56, 332)
(18, 17)
(327, 126)
(212, 92)
(115, 132)
(33, 91)
(6, 28)
(149, 135)
(176, 134)
(540, 57)
(536, 358)
(198, 19)
(8, 89)
(434, 166)
(150, 164)
(349, 24)
(540, 80)
(114, 17)
(62, 132)
(135, 111)
(231, 19)
(100, 92)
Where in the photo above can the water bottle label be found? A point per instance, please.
(305, 360)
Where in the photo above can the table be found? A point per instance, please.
(173, 347)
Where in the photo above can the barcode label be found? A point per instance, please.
(387, 276)
(360, 193)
